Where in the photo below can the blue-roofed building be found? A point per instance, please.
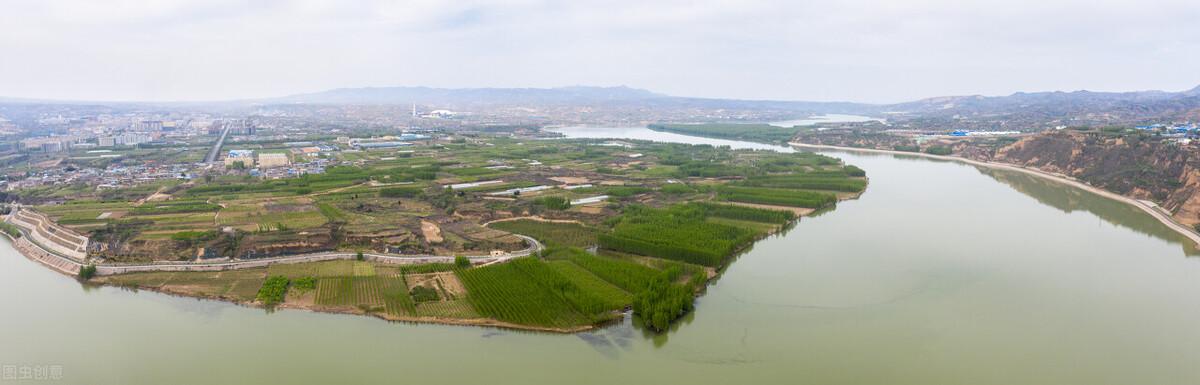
(245, 157)
(408, 136)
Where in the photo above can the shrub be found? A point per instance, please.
(939, 150)
(273, 290)
(553, 203)
(87, 272)
(305, 283)
(424, 294)
(10, 229)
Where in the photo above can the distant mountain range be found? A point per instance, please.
(1057, 105)
(1038, 103)
(427, 95)
(561, 96)
(1147, 103)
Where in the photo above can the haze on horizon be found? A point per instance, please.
(860, 50)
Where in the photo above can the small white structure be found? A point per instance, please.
(522, 190)
(589, 200)
(460, 186)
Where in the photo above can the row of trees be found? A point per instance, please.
(742, 213)
(663, 301)
(807, 181)
(773, 196)
(677, 233)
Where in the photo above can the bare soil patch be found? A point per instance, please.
(569, 179)
(431, 231)
(447, 280)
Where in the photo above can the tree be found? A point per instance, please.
(462, 262)
(87, 272)
(359, 256)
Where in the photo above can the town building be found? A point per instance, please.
(272, 160)
(246, 157)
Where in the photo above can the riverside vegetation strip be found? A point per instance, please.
(668, 224)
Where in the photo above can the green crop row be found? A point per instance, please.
(507, 293)
(772, 196)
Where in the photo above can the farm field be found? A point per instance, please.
(564, 234)
(666, 217)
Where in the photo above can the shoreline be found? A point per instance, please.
(66, 265)
(484, 322)
(1151, 208)
(104, 270)
(712, 273)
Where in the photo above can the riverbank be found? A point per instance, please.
(1149, 207)
(63, 264)
(485, 322)
(1040, 275)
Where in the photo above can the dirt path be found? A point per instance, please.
(799, 211)
(339, 189)
(533, 218)
(216, 215)
(156, 196)
(66, 265)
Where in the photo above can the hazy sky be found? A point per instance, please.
(857, 50)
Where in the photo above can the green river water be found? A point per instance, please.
(941, 273)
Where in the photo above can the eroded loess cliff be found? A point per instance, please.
(1136, 166)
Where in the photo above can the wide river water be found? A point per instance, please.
(941, 273)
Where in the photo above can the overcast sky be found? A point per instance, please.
(857, 50)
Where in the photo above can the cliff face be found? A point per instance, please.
(1142, 168)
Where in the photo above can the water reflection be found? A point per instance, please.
(1070, 199)
(1061, 196)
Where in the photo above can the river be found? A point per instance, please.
(941, 273)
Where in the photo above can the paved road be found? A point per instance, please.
(216, 149)
(70, 266)
(398, 259)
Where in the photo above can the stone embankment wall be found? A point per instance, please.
(54, 261)
(50, 235)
